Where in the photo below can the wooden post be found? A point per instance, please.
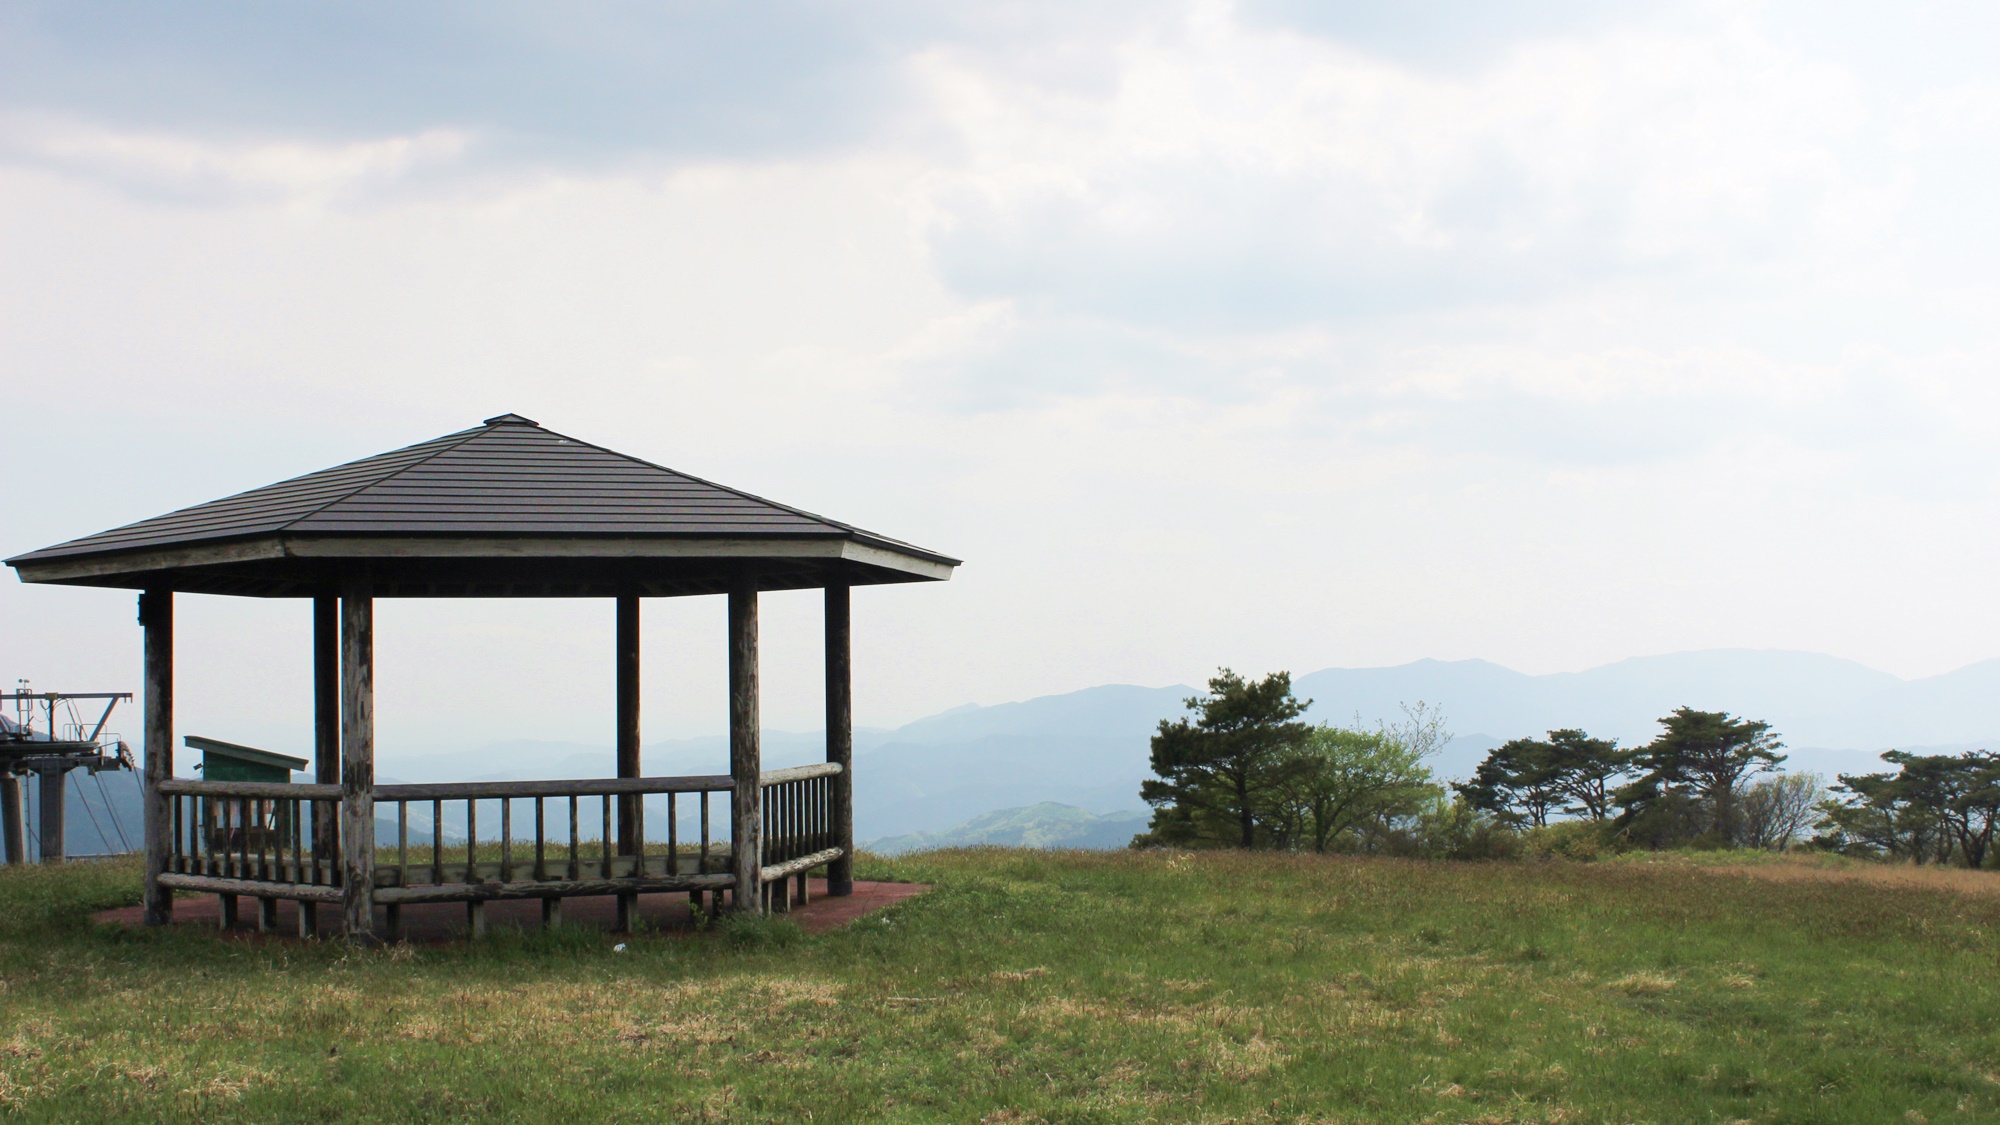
(326, 719)
(326, 744)
(840, 738)
(156, 614)
(746, 766)
(13, 818)
(53, 790)
(357, 762)
(630, 837)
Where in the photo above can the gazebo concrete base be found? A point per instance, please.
(446, 921)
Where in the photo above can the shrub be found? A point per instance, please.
(1582, 840)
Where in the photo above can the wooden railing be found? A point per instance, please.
(258, 834)
(274, 841)
(579, 862)
(798, 820)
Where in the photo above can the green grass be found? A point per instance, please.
(1068, 987)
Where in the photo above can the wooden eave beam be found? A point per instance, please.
(242, 566)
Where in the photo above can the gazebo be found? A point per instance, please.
(506, 509)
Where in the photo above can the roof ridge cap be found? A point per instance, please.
(361, 488)
(847, 527)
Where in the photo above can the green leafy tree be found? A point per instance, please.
(1977, 807)
(1774, 811)
(1874, 814)
(1934, 808)
(1693, 772)
(1336, 780)
(1528, 780)
(1517, 782)
(1221, 773)
(1585, 769)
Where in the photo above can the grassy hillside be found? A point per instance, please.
(1067, 987)
(1046, 825)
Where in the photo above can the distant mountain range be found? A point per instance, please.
(1088, 749)
(1047, 825)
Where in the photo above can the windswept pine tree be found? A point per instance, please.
(1218, 774)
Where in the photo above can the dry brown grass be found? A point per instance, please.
(1953, 880)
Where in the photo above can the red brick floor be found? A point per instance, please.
(445, 921)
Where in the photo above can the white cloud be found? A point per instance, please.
(196, 169)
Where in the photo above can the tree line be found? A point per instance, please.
(1243, 769)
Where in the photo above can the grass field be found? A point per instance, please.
(1066, 987)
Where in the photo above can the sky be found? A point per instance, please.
(1272, 334)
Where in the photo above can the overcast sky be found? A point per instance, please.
(1205, 333)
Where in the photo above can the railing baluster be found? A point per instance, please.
(471, 841)
(402, 843)
(437, 842)
(701, 864)
(673, 837)
(639, 832)
(575, 856)
(606, 850)
(506, 839)
(541, 871)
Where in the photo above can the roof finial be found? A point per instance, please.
(510, 420)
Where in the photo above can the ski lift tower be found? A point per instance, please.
(50, 753)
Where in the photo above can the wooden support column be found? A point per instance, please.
(746, 765)
(840, 738)
(14, 818)
(326, 743)
(156, 614)
(357, 762)
(53, 791)
(629, 820)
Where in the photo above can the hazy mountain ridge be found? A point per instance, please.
(1049, 824)
(1089, 748)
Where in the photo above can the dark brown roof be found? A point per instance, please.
(496, 490)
